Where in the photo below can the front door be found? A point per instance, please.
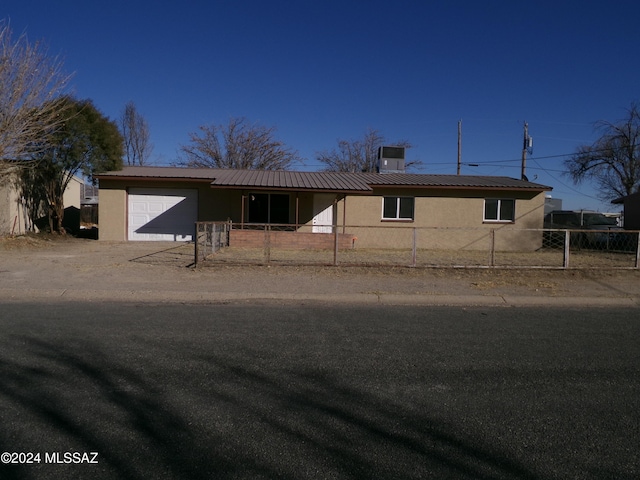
(323, 213)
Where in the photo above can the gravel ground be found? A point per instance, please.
(51, 266)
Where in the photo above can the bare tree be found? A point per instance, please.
(135, 132)
(31, 83)
(237, 145)
(612, 161)
(359, 155)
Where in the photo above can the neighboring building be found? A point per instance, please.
(551, 204)
(13, 215)
(631, 212)
(163, 203)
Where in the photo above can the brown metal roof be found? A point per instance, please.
(448, 181)
(321, 181)
(289, 180)
(205, 174)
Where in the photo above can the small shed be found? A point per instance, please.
(631, 210)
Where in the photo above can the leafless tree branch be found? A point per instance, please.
(613, 161)
(135, 132)
(359, 155)
(31, 82)
(237, 145)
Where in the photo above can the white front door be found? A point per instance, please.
(162, 214)
(323, 213)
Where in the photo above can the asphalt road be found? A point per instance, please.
(315, 391)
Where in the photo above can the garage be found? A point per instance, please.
(162, 214)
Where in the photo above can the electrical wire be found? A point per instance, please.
(534, 160)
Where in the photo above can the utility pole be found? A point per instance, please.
(527, 146)
(459, 145)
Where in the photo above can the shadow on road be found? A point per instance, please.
(165, 410)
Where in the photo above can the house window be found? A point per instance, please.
(268, 208)
(397, 208)
(499, 210)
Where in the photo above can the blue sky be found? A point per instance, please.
(323, 70)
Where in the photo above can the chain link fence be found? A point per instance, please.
(357, 245)
(210, 238)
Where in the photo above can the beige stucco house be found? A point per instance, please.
(13, 217)
(373, 209)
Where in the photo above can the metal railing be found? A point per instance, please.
(361, 245)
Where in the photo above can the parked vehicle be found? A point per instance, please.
(596, 230)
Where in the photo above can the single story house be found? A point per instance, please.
(13, 214)
(631, 210)
(163, 203)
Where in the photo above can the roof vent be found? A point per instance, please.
(391, 159)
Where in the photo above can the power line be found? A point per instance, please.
(562, 183)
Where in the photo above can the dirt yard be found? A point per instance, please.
(37, 263)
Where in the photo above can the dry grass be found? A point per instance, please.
(386, 259)
(33, 241)
(424, 258)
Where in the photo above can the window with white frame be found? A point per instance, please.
(499, 210)
(398, 208)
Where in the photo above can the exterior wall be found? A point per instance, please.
(12, 217)
(112, 215)
(214, 205)
(71, 202)
(71, 197)
(453, 220)
(113, 204)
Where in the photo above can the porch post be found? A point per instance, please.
(335, 246)
(335, 232)
(344, 213)
(242, 201)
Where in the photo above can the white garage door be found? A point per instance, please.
(162, 214)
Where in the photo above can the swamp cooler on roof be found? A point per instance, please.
(391, 159)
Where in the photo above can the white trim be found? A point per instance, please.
(398, 218)
(498, 211)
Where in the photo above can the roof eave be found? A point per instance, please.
(541, 188)
(151, 179)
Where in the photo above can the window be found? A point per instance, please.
(397, 208)
(499, 210)
(268, 208)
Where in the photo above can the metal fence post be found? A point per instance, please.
(492, 237)
(465, 249)
(414, 247)
(197, 250)
(335, 245)
(267, 244)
